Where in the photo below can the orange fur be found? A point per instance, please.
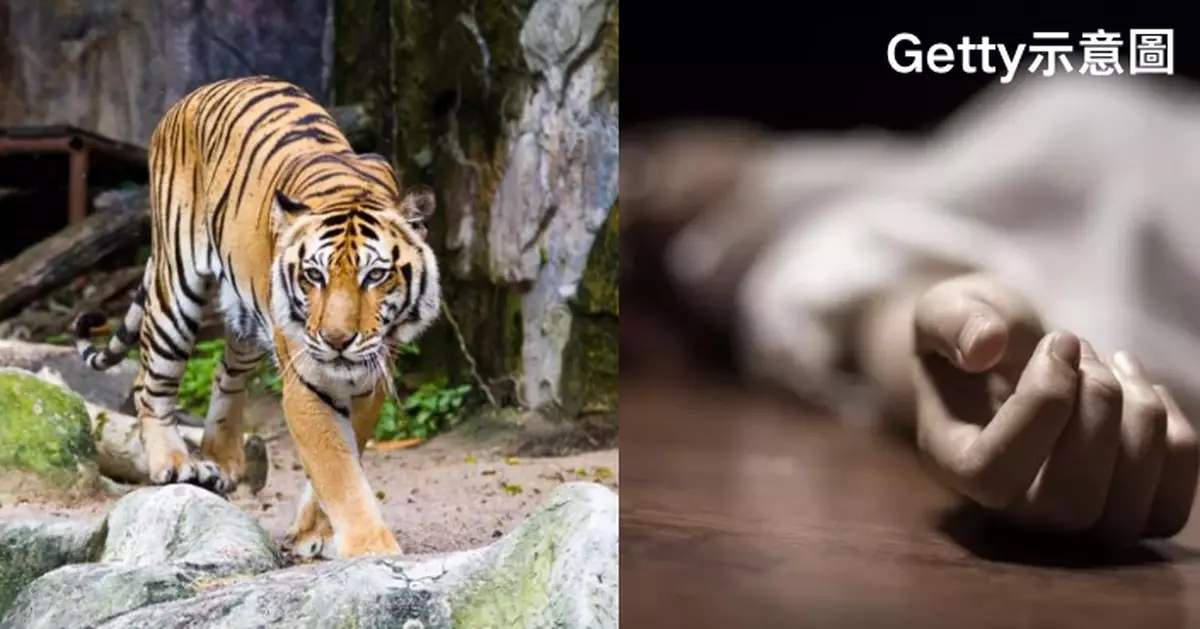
(314, 254)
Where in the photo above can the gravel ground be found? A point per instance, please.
(449, 493)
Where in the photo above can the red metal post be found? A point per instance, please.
(77, 186)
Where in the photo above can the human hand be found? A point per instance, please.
(1039, 428)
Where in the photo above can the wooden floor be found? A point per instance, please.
(739, 511)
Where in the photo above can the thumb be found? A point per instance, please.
(955, 323)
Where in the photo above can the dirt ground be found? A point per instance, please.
(450, 493)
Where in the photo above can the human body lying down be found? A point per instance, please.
(1022, 287)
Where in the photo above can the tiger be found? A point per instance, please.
(310, 252)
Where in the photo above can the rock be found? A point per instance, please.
(46, 447)
(188, 527)
(62, 50)
(559, 188)
(102, 388)
(558, 569)
(180, 557)
(160, 544)
(29, 549)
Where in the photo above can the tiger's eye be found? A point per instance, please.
(312, 275)
(376, 275)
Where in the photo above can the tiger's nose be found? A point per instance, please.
(338, 339)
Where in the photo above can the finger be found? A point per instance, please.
(1069, 493)
(1177, 484)
(1140, 454)
(996, 464)
(978, 324)
(961, 328)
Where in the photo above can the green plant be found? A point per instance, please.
(195, 388)
(60, 338)
(196, 384)
(433, 407)
(267, 378)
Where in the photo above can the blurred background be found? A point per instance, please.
(767, 132)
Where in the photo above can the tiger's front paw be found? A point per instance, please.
(230, 462)
(311, 540)
(176, 466)
(367, 541)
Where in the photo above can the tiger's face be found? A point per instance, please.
(354, 281)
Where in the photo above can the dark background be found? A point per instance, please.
(828, 69)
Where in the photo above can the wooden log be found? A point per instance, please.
(122, 217)
(45, 324)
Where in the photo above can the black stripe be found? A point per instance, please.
(222, 94)
(125, 335)
(219, 213)
(319, 175)
(406, 272)
(165, 306)
(232, 279)
(415, 315)
(335, 219)
(223, 204)
(324, 397)
(330, 191)
(316, 118)
(235, 372)
(221, 138)
(297, 135)
(248, 163)
(161, 378)
(180, 267)
(163, 345)
(290, 293)
(365, 217)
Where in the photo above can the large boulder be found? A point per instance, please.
(181, 557)
(46, 447)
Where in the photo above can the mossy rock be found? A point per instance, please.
(46, 446)
(591, 360)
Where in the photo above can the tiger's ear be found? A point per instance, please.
(286, 208)
(418, 205)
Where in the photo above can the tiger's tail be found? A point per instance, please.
(125, 338)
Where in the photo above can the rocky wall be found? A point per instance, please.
(509, 108)
(115, 66)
